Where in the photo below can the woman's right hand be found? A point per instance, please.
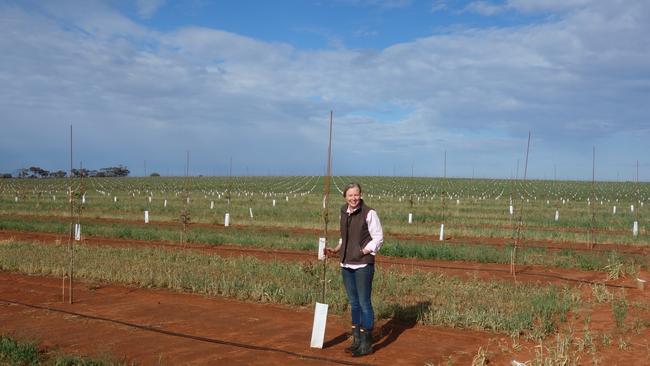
(330, 251)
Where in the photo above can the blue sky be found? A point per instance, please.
(254, 81)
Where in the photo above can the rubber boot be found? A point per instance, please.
(356, 330)
(365, 344)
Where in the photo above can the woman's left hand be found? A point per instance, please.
(330, 251)
(366, 251)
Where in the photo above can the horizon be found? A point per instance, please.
(180, 176)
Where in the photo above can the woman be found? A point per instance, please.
(361, 238)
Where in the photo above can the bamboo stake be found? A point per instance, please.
(592, 203)
(72, 229)
(326, 194)
(229, 182)
(638, 195)
(442, 198)
(77, 227)
(638, 203)
(185, 214)
(513, 255)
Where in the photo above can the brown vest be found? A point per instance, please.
(355, 235)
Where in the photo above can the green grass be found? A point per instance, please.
(25, 353)
(627, 264)
(13, 352)
(476, 304)
(619, 309)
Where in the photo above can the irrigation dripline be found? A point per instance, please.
(386, 260)
(187, 336)
(523, 273)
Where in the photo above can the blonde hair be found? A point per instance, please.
(351, 185)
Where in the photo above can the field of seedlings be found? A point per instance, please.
(206, 270)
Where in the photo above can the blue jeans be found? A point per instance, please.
(358, 286)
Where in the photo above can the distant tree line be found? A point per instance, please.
(38, 172)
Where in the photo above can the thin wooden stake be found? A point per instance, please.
(63, 286)
(71, 237)
(326, 194)
(592, 203)
(320, 311)
(229, 183)
(513, 256)
(185, 213)
(635, 226)
(443, 194)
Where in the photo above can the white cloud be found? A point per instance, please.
(484, 8)
(147, 8)
(492, 8)
(136, 94)
(530, 6)
(93, 17)
(439, 5)
(384, 4)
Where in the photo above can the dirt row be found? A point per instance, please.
(157, 327)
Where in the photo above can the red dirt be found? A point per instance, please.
(154, 327)
(159, 327)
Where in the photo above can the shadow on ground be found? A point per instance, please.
(404, 317)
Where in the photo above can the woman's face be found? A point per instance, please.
(353, 197)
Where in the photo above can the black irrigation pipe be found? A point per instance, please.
(403, 262)
(520, 272)
(186, 336)
(391, 261)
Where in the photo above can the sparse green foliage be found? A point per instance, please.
(614, 267)
(13, 352)
(619, 309)
(600, 293)
(481, 358)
